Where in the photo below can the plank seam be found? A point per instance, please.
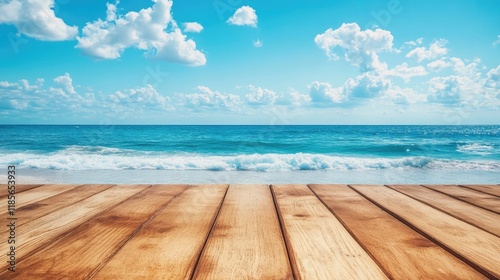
(440, 244)
(193, 273)
(351, 232)
(17, 192)
(71, 187)
(132, 235)
(79, 186)
(483, 192)
(441, 210)
(482, 207)
(282, 229)
(289, 249)
(62, 235)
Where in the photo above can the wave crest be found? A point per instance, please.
(106, 159)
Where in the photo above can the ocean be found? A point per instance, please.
(251, 154)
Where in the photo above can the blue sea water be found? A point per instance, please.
(256, 154)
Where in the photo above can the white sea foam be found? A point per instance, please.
(105, 159)
(476, 149)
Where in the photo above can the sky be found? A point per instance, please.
(249, 62)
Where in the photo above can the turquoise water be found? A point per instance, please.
(283, 150)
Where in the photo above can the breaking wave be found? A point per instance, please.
(102, 158)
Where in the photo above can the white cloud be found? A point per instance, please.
(497, 42)
(244, 16)
(468, 87)
(417, 42)
(360, 47)
(66, 82)
(36, 19)
(22, 95)
(23, 86)
(367, 85)
(19, 105)
(400, 95)
(438, 65)
(111, 11)
(320, 92)
(461, 68)
(406, 73)
(297, 99)
(435, 50)
(207, 98)
(493, 78)
(260, 96)
(192, 27)
(144, 30)
(257, 43)
(446, 90)
(147, 97)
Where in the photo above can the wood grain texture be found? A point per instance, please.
(246, 242)
(478, 247)
(35, 194)
(486, 201)
(389, 241)
(319, 246)
(41, 208)
(19, 188)
(490, 189)
(479, 217)
(170, 244)
(90, 245)
(37, 233)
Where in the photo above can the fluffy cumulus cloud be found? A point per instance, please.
(66, 85)
(406, 73)
(192, 27)
(467, 86)
(447, 90)
(320, 92)
(244, 16)
(367, 85)
(36, 19)
(404, 96)
(145, 97)
(152, 30)
(206, 98)
(438, 65)
(360, 47)
(296, 99)
(493, 78)
(435, 50)
(260, 96)
(62, 95)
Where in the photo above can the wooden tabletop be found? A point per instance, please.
(252, 232)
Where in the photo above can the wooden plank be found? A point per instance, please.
(318, 245)
(41, 208)
(35, 194)
(464, 211)
(490, 189)
(19, 188)
(170, 244)
(246, 242)
(482, 200)
(399, 250)
(90, 245)
(474, 246)
(35, 234)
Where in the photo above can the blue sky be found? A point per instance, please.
(249, 62)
